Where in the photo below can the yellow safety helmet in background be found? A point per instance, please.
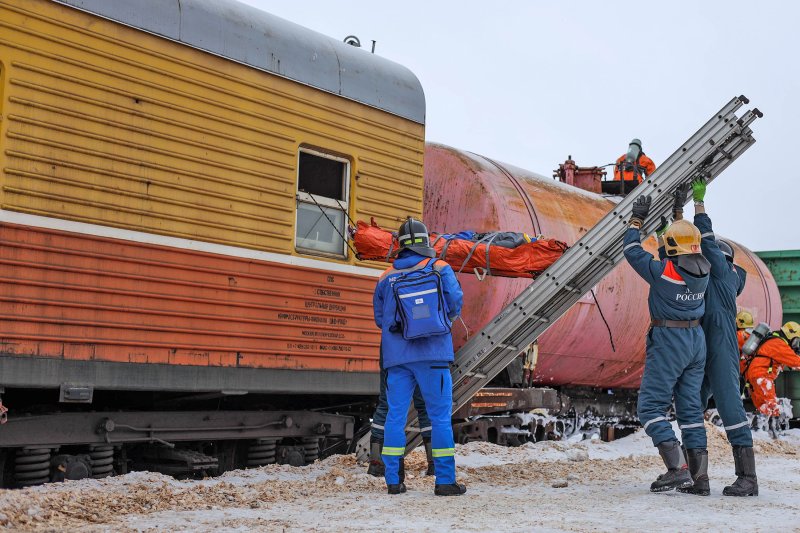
(744, 319)
(681, 238)
(791, 330)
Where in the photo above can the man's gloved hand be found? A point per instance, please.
(680, 199)
(662, 227)
(698, 189)
(641, 208)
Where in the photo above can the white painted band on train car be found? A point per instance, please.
(177, 242)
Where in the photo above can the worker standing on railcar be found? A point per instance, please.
(415, 301)
(676, 348)
(721, 379)
(633, 165)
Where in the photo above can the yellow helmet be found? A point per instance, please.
(744, 319)
(791, 330)
(681, 238)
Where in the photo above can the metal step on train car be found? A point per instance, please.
(178, 293)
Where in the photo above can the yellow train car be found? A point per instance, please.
(177, 180)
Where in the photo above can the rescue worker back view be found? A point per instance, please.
(633, 165)
(676, 348)
(414, 302)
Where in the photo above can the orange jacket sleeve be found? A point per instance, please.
(780, 352)
(647, 163)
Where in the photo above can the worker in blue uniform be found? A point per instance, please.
(376, 467)
(722, 351)
(423, 361)
(676, 348)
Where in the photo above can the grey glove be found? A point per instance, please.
(680, 199)
(641, 208)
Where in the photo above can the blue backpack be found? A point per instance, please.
(421, 307)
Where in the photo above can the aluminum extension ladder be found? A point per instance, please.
(706, 153)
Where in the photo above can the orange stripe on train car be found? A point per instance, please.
(84, 297)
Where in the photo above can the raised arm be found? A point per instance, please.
(640, 259)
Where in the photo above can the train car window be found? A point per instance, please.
(322, 187)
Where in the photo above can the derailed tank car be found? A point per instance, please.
(177, 178)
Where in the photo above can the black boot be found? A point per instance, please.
(431, 471)
(698, 469)
(400, 488)
(376, 467)
(677, 474)
(453, 489)
(746, 483)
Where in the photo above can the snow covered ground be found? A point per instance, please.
(602, 487)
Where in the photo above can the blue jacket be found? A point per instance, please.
(727, 280)
(394, 348)
(674, 293)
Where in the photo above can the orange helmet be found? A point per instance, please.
(681, 238)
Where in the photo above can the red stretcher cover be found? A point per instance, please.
(525, 260)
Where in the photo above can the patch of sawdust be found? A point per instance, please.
(90, 504)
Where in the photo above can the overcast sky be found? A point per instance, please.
(530, 82)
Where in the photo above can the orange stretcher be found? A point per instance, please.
(527, 260)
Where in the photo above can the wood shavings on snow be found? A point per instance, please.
(509, 488)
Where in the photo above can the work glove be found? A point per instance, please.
(662, 227)
(641, 208)
(698, 189)
(680, 199)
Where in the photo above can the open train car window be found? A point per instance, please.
(322, 189)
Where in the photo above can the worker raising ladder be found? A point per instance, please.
(722, 139)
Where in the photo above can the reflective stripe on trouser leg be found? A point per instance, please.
(722, 377)
(688, 405)
(437, 390)
(443, 452)
(400, 387)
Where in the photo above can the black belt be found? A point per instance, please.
(674, 323)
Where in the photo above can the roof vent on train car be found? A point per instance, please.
(352, 40)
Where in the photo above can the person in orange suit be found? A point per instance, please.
(633, 165)
(780, 349)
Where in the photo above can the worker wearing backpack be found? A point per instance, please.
(414, 303)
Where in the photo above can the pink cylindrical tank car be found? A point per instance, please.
(468, 191)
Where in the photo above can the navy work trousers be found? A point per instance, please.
(722, 377)
(674, 366)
